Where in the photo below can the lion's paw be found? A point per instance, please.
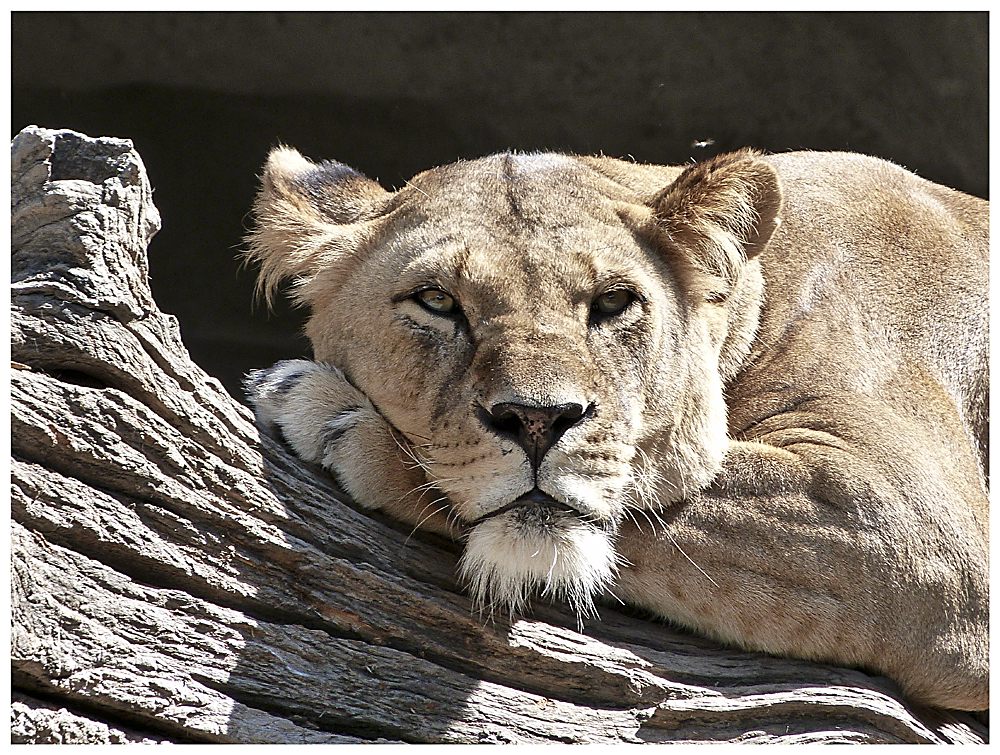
(311, 405)
(327, 421)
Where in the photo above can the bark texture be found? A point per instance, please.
(177, 576)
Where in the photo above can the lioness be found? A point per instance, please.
(750, 395)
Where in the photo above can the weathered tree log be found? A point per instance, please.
(177, 576)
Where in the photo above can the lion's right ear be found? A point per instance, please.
(309, 217)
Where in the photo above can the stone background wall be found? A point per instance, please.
(204, 96)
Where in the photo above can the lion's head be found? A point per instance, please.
(549, 335)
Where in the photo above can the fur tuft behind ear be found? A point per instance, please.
(308, 217)
(722, 212)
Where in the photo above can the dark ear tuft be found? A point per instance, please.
(308, 216)
(721, 212)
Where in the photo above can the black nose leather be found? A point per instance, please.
(535, 428)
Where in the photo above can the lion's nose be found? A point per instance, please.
(535, 428)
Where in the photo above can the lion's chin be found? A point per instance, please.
(514, 556)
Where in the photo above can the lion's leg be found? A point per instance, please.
(328, 421)
(866, 578)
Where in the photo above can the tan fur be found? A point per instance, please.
(779, 442)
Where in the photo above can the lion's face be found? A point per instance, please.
(547, 350)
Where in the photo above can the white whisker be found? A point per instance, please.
(678, 547)
(438, 510)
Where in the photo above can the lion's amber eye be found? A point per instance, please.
(436, 300)
(612, 302)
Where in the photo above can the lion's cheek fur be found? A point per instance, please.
(479, 483)
(594, 481)
(683, 439)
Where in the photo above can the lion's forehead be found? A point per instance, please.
(501, 170)
(517, 190)
(511, 215)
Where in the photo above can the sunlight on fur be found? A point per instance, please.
(507, 561)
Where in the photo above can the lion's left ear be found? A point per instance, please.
(310, 217)
(721, 213)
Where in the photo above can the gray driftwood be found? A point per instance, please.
(178, 577)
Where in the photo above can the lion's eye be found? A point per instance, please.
(613, 302)
(436, 301)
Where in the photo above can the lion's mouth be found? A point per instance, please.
(534, 502)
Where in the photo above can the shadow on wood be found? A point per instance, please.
(179, 577)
